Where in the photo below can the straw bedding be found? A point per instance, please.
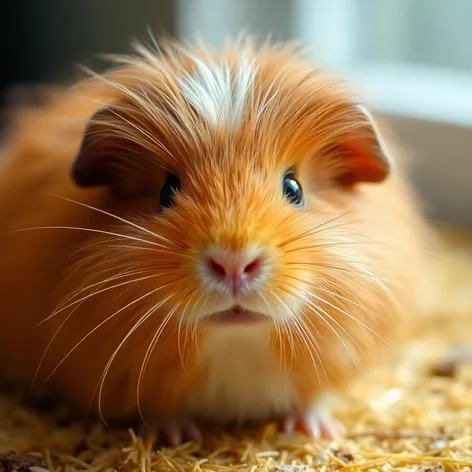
(413, 413)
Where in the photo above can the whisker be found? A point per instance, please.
(329, 292)
(58, 330)
(91, 230)
(152, 346)
(141, 248)
(380, 281)
(46, 350)
(317, 229)
(159, 330)
(340, 297)
(203, 297)
(306, 338)
(324, 245)
(316, 309)
(283, 365)
(102, 282)
(357, 270)
(119, 218)
(337, 308)
(179, 331)
(97, 293)
(302, 264)
(148, 294)
(101, 382)
(353, 318)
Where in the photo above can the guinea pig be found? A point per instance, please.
(203, 235)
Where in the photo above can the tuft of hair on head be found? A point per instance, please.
(174, 101)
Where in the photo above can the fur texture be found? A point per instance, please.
(102, 292)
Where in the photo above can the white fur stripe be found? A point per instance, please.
(213, 93)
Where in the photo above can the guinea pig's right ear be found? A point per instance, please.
(96, 161)
(365, 156)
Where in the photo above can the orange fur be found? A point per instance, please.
(343, 271)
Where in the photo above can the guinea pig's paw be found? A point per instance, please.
(318, 424)
(173, 431)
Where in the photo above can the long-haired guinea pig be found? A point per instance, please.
(201, 235)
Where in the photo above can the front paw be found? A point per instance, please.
(172, 431)
(315, 423)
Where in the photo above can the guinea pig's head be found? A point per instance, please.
(235, 170)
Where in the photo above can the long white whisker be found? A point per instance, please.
(99, 326)
(278, 333)
(307, 338)
(340, 297)
(179, 331)
(97, 293)
(353, 318)
(57, 332)
(318, 229)
(193, 331)
(102, 282)
(49, 345)
(317, 309)
(151, 347)
(141, 248)
(123, 220)
(140, 321)
(91, 230)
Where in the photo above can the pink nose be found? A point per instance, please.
(235, 269)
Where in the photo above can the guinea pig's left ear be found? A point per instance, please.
(365, 157)
(97, 161)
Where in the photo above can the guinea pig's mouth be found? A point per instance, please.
(236, 315)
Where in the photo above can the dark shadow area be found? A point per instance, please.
(46, 40)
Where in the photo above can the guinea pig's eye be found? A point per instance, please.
(171, 186)
(292, 189)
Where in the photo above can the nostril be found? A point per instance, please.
(216, 269)
(234, 268)
(254, 267)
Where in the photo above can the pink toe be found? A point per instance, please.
(193, 432)
(314, 424)
(309, 425)
(288, 424)
(174, 435)
(332, 429)
(173, 431)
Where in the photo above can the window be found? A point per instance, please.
(413, 60)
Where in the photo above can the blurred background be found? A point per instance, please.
(412, 60)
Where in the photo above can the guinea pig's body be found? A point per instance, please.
(193, 235)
